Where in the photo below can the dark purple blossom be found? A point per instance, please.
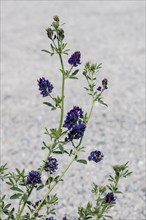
(99, 88)
(110, 197)
(74, 123)
(50, 218)
(51, 165)
(96, 156)
(45, 86)
(72, 117)
(76, 132)
(104, 85)
(34, 177)
(74, 60)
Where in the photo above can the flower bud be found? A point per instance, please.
(55, 24)
(49, 33)
(61, 34)
(56, 18)
(104, 83)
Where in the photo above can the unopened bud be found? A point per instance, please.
(49, 33)
(104, 83)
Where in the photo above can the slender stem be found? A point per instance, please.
(62, 93)
(116, 183)
(41, 170)
(91, 109)
(60, 125)
(67, 167)
(19, 214)
(53, 186)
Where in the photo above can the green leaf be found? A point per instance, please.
(75, 72)
(16, 189)
(82, 161)
(25, 197)
(7, 206)
(49, 104)
(57, 152)
(40, 187)
(16, 196)
(86, 88)
(108, 216)
(61, 148)
(49, 180)
(73, 77)
(45, 145)
(46, 51)
(119, 192)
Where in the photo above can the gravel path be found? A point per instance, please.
(111, 32)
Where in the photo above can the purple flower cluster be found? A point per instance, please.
(72, 117)
(110, 197)
(45, 86)
(76, 132)
(51, 165)
(34, 177)
(74, 124)
(74, 60)
(96, 156)
(104, 85)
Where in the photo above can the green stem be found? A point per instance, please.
(62, 93)
(19, 214)
(53, 186)
(91, 109)
(116, 183)
(67, 167)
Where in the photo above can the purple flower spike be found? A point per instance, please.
(51, 165)
(74, 60)
(72, 117)
(34, 177)
(77, 132)
(45, 86)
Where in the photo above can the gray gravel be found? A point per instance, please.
(111, 32)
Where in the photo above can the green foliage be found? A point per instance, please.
(3, 175)
(16, 181)
(90, 72)
(6, 208)
(99, 210)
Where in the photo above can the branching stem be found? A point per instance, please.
(53, 186)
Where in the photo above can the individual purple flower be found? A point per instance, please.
(73, 116)
(51, 165)
(99, 88)
(76, 132)
(45, 86)
(74, 60)
(50, 218)
(34, 177)
(96, 156)
(109, 197)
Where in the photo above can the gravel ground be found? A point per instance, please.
(111, 32)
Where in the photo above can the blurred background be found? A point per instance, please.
(107, 32)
